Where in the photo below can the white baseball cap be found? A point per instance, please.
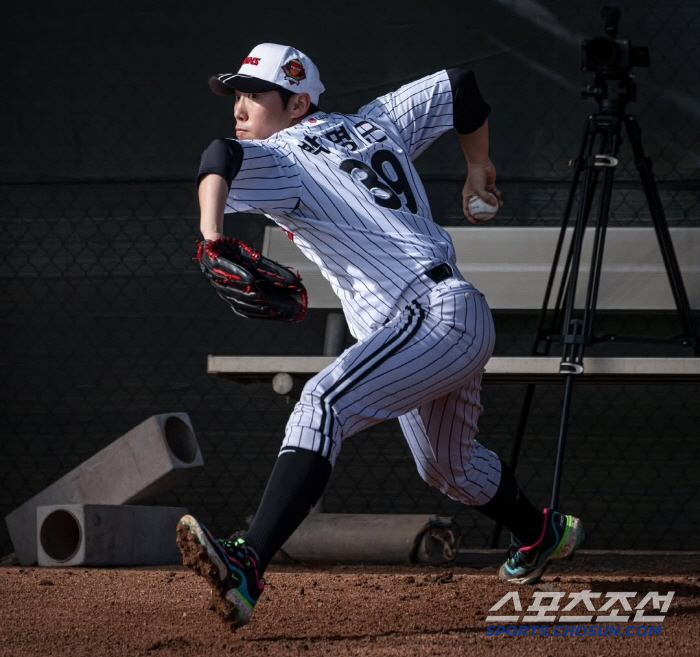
(271, 66)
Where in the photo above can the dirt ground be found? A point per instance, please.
(331, 610)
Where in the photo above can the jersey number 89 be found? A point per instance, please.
(385, 180)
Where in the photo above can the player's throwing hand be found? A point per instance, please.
(481, 182)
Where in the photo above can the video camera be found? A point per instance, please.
(608, 54)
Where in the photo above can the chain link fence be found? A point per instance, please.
(107, 321)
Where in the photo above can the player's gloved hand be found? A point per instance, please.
(255, 287)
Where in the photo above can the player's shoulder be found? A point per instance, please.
(411, 90)
(278, 149)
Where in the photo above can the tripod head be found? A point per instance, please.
(611, 60)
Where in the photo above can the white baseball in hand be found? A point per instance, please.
(481, 210)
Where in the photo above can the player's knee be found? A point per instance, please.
(314, 425)
(222, 157)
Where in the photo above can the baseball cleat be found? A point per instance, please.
(230, 566)
(560, 538)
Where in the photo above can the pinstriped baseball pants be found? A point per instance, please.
(424, 367)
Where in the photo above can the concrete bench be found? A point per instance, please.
(284, 371)
(511, 266)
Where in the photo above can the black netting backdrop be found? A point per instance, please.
(107, 321)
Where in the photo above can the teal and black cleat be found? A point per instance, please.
(231, 567)
(560, 538)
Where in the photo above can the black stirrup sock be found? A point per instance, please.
(297, 482)
(512, 508)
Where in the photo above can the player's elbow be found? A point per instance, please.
(469, 109)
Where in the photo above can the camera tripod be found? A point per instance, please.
(574, 328)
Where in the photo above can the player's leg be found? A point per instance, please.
(442, 437)
(423, 353)
(428, 349)
(234, 568)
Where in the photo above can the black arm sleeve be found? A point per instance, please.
(469, 109)
(222, 156)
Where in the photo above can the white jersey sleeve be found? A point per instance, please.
(420, 110)
(268, 180)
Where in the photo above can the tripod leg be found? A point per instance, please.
(663, 234)
(601, 227)
(541, 333)
(585, 204)
(563, 428)
(578, 332)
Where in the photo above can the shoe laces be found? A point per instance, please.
(238, 547)
(516, 555)
(233, 546)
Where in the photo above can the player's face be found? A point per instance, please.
(260, 115)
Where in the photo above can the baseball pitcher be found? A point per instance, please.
(345, 188)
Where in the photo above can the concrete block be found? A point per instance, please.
(372, 538)
(107, 535)
(147, 460)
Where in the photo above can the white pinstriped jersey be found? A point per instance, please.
(345, 186)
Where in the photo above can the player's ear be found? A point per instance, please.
(300, 104)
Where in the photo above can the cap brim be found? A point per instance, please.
(234, 83)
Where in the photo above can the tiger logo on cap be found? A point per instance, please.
(294, 71)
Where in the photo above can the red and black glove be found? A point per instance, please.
(254, 286)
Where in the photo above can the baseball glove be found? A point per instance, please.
(254, 286)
